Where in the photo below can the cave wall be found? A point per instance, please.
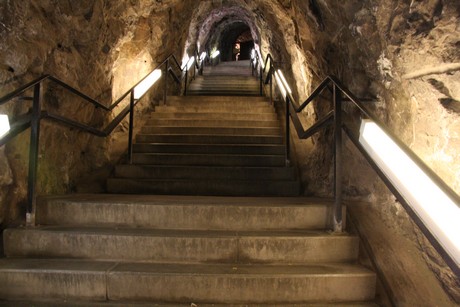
(379, 49)
(101, 48)
(387, 49)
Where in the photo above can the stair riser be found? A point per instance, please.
(216, 108)
(208, 139)
(225, 87)
(210, 149)
(235, 101)
(228, 93)
(210, 130)
(202, 187)
(239, 289)
(229, 249)
(166, 212)
(219, 173)
(213, 123)
(138, 283)
(208, 160)
(219, 116)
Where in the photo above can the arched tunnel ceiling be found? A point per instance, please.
(221, 20)
(226, 30)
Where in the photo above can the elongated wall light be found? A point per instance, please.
(253, 53)
(4, 124)
(286, 85)
(280, 85)
(215, 54)
(203, 56)
(146, 84)
(190, 62)
(439, 213)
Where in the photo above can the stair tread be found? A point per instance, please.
(191, 233)
(31, 265)
(176, 200)
(58, 303)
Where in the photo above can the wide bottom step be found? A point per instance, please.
(199, 283)
(203, 187)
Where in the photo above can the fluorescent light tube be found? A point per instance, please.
(146, 84)
(439, 213)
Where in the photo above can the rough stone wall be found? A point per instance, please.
(101, 48)
(389, 50)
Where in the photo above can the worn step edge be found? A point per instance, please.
(209, 139)
(213, 123)
(208, 159)
(181, 246)
(209, 148)
(239, 283)
(211, 130)
(203, 187)
(163, 211)
(204, 172)
(95, 280)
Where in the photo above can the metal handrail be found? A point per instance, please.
(341, 93)
(32, 119)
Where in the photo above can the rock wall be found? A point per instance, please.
(101, 48)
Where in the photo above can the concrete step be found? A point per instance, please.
(227, 92)
(234, 100)
(221, 108)
(204, 172)
(148, 245)
(209, 80)
(100, 281)
(211, 130)
(229, 149)
(60, 303)
(208, 187)
(209, 159)
(224, 84)
(216, 115)
(184, 212)
(209, 139)
(241, 283)
(212, 123)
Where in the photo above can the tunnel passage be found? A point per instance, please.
(235, 42)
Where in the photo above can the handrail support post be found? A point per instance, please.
(131, 126)
(338, 167)
(33, 157)
(186, 80)
(165, 79)
(261, 78)
(288, 133)
(271, 90)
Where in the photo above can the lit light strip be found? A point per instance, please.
(261, 59)
(280, 85)
(203, 56)
(286, 85)
(190, 62)
(215, 54)
(146, 84)
(438, 211)
(253, 54)
(4, 124)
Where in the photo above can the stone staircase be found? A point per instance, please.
(130, 249)
(209, 145)
(226, 79)
(171, 250)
